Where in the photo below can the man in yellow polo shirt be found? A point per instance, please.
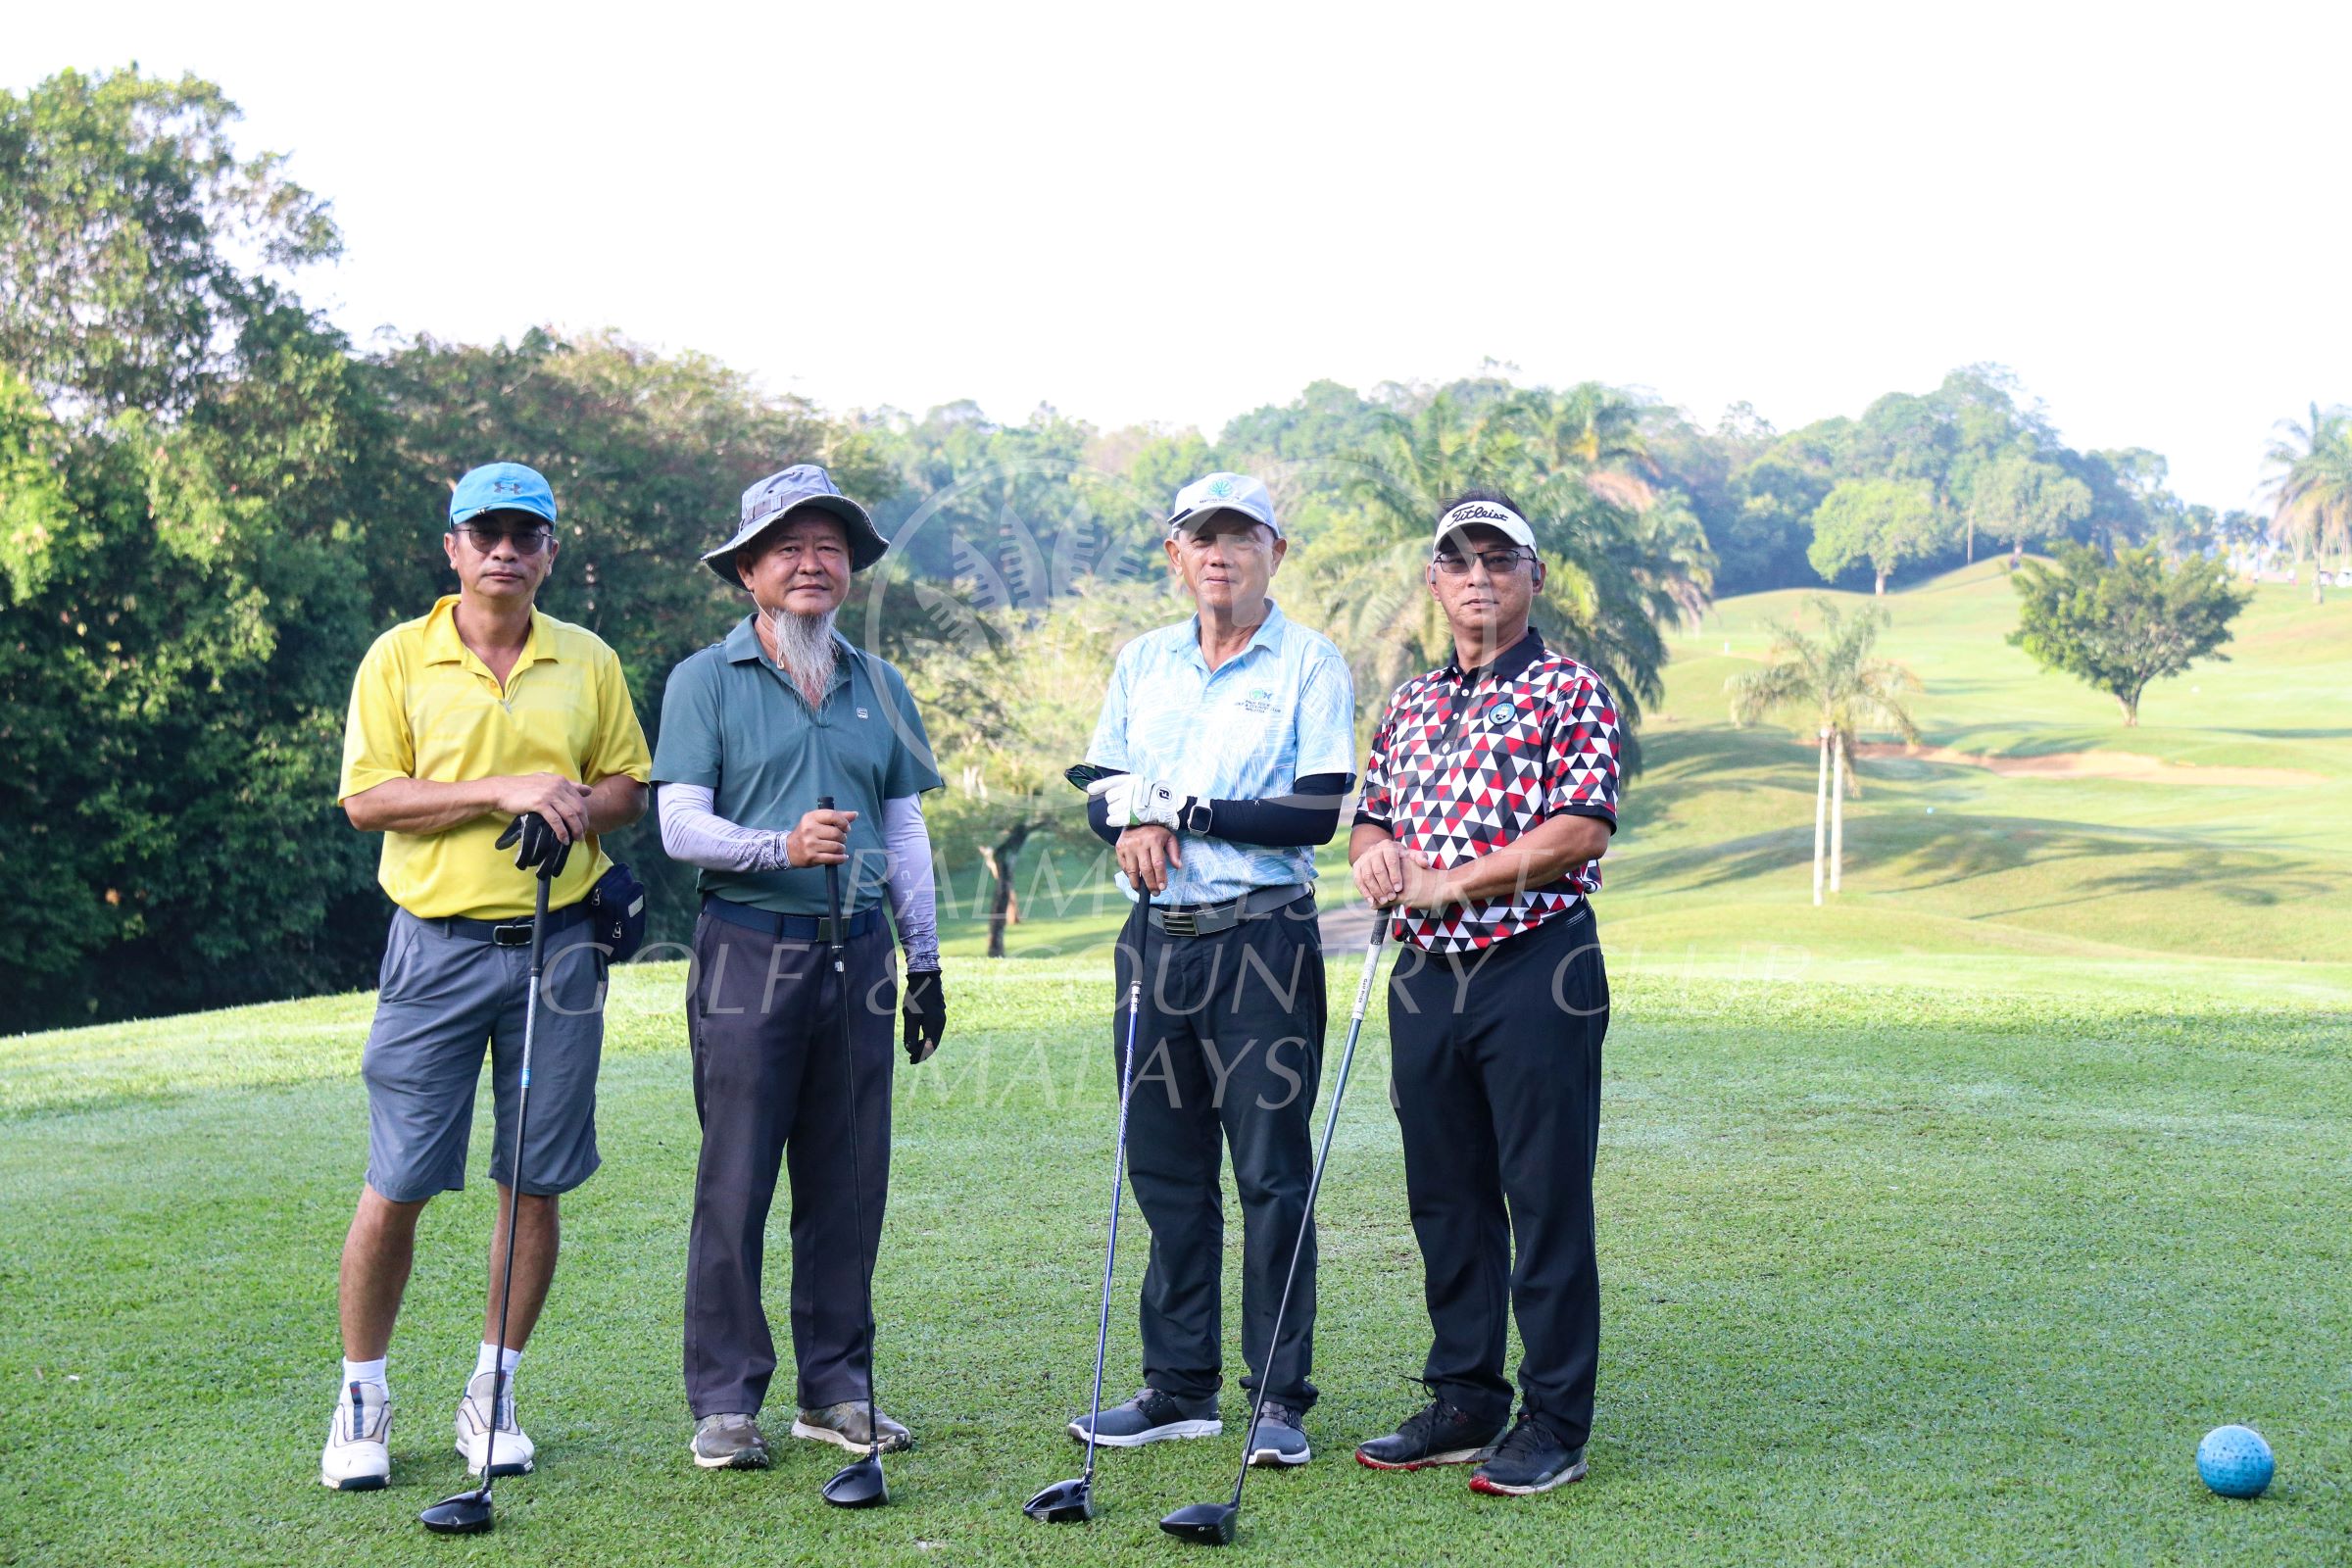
(482, 715)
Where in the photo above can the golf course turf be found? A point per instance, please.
(1936, 1225)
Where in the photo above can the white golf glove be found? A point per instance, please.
(1132, 801)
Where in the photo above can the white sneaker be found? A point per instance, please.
(512, 1451)
(357, 1459)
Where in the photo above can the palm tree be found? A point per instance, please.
(1838, 686)
(2310, 489)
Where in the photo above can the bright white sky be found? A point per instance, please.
(1178, 212)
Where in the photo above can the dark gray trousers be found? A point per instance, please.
(769, 1088)
(1228, 1051)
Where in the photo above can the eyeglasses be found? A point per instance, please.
(526, 541)
(1499, 563)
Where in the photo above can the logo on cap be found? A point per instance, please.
(1220, 486)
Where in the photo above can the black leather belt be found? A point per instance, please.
(1207, 919)
(790, 927)
(515, 933)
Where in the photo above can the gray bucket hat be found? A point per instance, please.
(778, 495)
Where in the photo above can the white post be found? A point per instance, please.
(1836, 809)
(1821, 807)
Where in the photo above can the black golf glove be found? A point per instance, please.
(925, 1006)
(536, 845)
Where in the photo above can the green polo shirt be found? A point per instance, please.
(735, 724)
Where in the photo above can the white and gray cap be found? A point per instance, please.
(1484, 514)
(1204, 498)
(781, 494)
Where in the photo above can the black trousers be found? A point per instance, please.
(764, 1021)
(1496, 1061)
(1228, 1051)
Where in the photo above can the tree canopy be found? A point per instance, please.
(2121, 624)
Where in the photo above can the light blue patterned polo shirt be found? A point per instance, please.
(1280, 711)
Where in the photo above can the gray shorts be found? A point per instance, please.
(442, 999)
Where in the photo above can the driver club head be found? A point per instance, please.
(465, 1514)
(1205, 1523)
(1064, 1503)
(857, 1486)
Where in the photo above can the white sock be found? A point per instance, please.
(490, 1357)
(362, 1371)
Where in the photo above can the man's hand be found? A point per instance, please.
(925, 1003)
(536, 845)
(1146, 852)
(822, 838)
(1379, 873)
(561, 802)
(1425, 888)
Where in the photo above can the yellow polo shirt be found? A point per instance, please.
(423, 707)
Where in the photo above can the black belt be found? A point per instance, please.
(796, 927)
(515, 933)
(1207, 919)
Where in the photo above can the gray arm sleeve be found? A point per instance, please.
(693, 832)
(913, 903)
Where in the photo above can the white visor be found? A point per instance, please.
(1489, 515)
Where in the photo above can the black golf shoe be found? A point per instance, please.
(1441, 1432)
(1529, 1459)
(1153, 1417)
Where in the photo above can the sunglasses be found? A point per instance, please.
(526, 541)
(1499, 563)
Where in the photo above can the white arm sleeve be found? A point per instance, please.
(912, 902)
(693, 832)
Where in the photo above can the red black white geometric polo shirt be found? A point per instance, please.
(1464, 764)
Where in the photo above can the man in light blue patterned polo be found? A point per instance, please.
(1231, 736)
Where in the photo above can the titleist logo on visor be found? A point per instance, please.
(1481, 511)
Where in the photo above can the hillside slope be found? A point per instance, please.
(2030, 821)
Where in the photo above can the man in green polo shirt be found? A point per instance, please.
(755, 731)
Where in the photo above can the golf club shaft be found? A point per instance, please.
(523, 1108)
(1314, 1185)
(849, 1069)
(1111, 1254)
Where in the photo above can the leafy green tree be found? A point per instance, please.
(1887, 523)
(2118, 624)
(2024, 499)
(1835, 685)
(2310, 490)
(124, 212)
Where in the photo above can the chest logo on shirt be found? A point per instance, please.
(862, 712)
(1258, 699)
(1500, 713)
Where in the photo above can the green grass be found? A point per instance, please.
(1936, 1225)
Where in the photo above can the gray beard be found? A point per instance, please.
(805, 647)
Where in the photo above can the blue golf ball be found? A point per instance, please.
(2235, 1462)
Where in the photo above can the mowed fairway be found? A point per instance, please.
(1936, 1226)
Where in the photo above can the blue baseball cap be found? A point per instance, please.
(778, 495)
(502, 487)
(1205, 497)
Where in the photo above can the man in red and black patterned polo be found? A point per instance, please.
(1489, 800)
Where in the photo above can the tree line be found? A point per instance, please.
(211, 500)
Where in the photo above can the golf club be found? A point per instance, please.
(1212, 1524)
(1073, 1501)
(858, 1485)
(468, 1512)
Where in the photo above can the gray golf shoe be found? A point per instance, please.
(844, 1424)
(1280, 1436)
(1151, 1417)
(728, 1443)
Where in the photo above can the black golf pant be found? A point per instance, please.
(1228, 1051)
(764, 1021)
(1496, 1063)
